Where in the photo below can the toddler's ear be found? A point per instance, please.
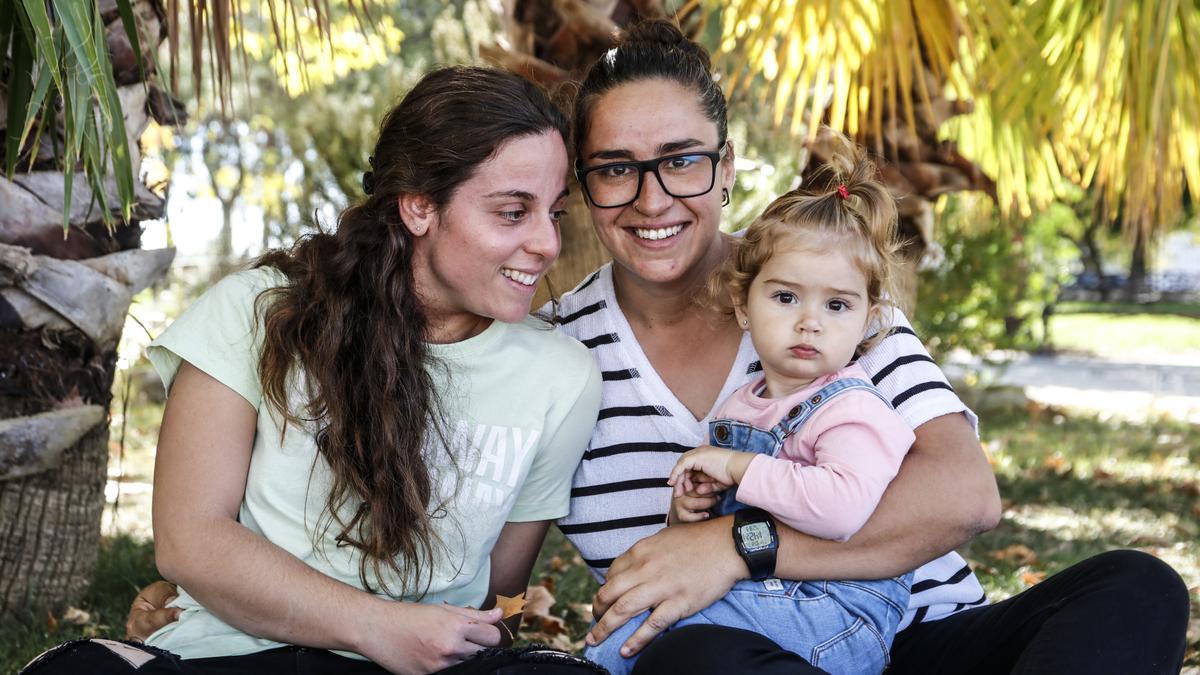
(739, 311)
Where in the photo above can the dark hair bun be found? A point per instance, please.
(660, 32)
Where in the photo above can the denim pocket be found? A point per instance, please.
(858, 649)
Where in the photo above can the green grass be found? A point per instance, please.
(1128, 336)
(1073, 486)
(1080, 307)
(125, 565)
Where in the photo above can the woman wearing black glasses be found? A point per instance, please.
(656, 166)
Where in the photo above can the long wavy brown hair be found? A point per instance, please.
(350, 321)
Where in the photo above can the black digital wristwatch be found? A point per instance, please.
(756, 541)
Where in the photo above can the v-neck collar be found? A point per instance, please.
(657, 390)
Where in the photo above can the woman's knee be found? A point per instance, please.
(1140, 574)
(1146, 592)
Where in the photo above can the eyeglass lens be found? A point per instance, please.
(679, 175)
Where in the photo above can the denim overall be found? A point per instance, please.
(838, 626)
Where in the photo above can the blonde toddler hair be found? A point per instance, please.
(843, 206)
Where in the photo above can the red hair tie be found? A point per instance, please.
(843, 192)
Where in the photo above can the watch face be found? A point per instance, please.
(755, 536)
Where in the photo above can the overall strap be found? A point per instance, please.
(799, 414)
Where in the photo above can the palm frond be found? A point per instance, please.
(1099, 94)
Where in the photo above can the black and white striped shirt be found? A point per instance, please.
(620, 494)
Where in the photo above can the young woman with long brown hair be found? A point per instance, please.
(365, 437)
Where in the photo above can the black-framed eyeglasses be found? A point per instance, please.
(687, 174)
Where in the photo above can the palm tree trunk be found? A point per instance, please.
(62, 307)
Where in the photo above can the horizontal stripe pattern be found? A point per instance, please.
(599, 340)
(619, 486)
(614, 524)
(626, 448)
(619, 375)
(633, 411)
(903, 360)
(580, 313)
(620, 493)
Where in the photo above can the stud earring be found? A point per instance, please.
(745, 323)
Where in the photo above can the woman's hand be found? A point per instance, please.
(677, 572)
(149, 610)
(409, 638)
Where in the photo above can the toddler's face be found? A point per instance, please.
(807, 311)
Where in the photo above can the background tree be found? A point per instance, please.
(75, 99)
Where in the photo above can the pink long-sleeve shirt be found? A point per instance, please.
(830, 474)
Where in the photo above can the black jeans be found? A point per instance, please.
(1121, 612)
(111, 657)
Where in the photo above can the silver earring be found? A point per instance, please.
(745, 323)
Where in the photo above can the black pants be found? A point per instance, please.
(1121, 612)
(110, 657)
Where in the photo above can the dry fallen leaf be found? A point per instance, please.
(538, 601)
(51, 622)
(583, 609)
(1032, 578)
(1017, 554)
(511, 606)
(537, 612)
(1056, 463)
(76, 616)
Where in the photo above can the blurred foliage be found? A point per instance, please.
(1094, 94)
(992, 281)
(302, 127)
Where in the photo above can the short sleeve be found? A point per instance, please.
(904, 372)
(218, 335)
(546, 492)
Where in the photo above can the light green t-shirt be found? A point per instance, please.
(520, 400)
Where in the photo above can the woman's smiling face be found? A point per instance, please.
(482, 253)
(658, 238)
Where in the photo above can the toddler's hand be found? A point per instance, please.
(691, 508)
(725, 467)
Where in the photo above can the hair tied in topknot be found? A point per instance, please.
(368, 179)
(663, 32)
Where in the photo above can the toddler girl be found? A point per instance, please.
(812, 443)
